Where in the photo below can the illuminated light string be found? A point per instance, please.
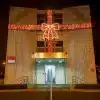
(49, 35)
(75, 26)
(38, 27)
(50, 31)
(49, 16)
(50, 46)
(24, 27)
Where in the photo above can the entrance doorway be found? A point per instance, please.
(51, 70)
(50, 74)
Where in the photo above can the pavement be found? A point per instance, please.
(54, 90)
(34, 94)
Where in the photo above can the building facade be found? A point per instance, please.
(73, 55)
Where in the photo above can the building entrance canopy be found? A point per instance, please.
(50, 55)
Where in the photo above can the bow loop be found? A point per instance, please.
(50, 31)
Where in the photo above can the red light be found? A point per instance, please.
(24, 27)
(49, 16)
(38, 27)
(11, 59)
(75, 26)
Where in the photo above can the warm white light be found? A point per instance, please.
(36, 55)
(58, 55)
(32, 55)
(60, 61)
(41, 55)
(11, 61)
(39, 61)
(49, 60)
(3, 63)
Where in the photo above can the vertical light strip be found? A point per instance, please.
(49, 17)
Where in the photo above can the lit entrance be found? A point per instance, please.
(50, 74)
(51, 70)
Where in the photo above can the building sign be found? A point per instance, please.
(11, 59)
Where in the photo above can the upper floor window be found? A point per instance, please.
(56, 18)
(41, 18)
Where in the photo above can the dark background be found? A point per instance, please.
(43, 4)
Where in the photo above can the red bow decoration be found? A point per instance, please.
(50, 31)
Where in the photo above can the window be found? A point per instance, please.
(40, 44)
(58, 18)
(59, 43)
(41, 18)
(43, 47)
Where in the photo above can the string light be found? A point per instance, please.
(49, 31)
(49, 16)
(38, 27)
(24, 27)
(75, 26)
(50, 45)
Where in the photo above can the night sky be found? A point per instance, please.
(4, 18)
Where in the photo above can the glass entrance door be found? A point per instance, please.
(50, 70)
(50, 74)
